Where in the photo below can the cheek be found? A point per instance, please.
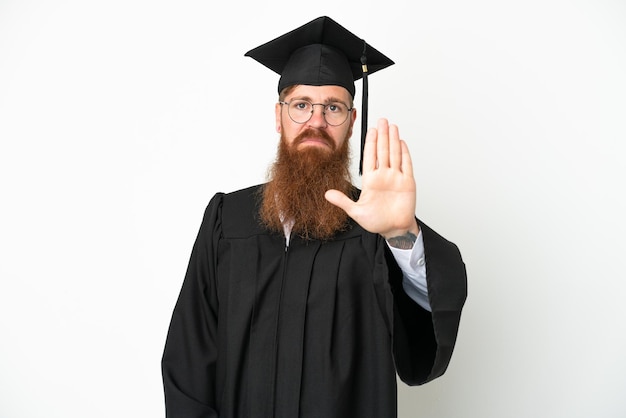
(343, 136)
(288, 132)
(285, 139)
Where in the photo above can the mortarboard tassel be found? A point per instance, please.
(364, 106)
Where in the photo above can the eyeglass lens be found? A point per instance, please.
(300, 111)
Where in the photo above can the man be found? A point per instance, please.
(304, 296)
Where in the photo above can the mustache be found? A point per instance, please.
(314, 133)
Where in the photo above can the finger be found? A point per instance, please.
(369, 151)
(395, 148)
(340, 200)
(382, 146)
(407, 163)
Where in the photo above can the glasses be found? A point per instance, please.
(301, 111)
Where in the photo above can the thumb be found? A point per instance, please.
(339, 199)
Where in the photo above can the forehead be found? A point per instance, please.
(321, 93)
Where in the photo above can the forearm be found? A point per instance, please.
(408, 252)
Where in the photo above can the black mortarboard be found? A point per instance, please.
(321, 53)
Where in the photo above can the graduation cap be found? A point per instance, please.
(322, 53)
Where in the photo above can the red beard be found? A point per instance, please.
(298, 180)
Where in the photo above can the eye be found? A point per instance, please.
(335, 108)
(301, 105)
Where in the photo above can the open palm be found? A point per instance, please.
(386, 205)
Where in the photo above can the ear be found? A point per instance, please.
(352, 120)
(278, 110)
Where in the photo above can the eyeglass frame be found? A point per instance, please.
(282, 102)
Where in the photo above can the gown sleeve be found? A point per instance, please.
(189, 359)
(413, 266)
(423, 341)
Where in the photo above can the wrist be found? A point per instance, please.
(403, 242)
(402, 238)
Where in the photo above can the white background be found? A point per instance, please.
(120, 119)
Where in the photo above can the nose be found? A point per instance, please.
(318, 120)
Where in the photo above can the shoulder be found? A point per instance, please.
(244, 196)
(238, 211)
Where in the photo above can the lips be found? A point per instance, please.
(314, 137)
(314, 141)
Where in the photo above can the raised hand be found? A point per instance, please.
(386, 205)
